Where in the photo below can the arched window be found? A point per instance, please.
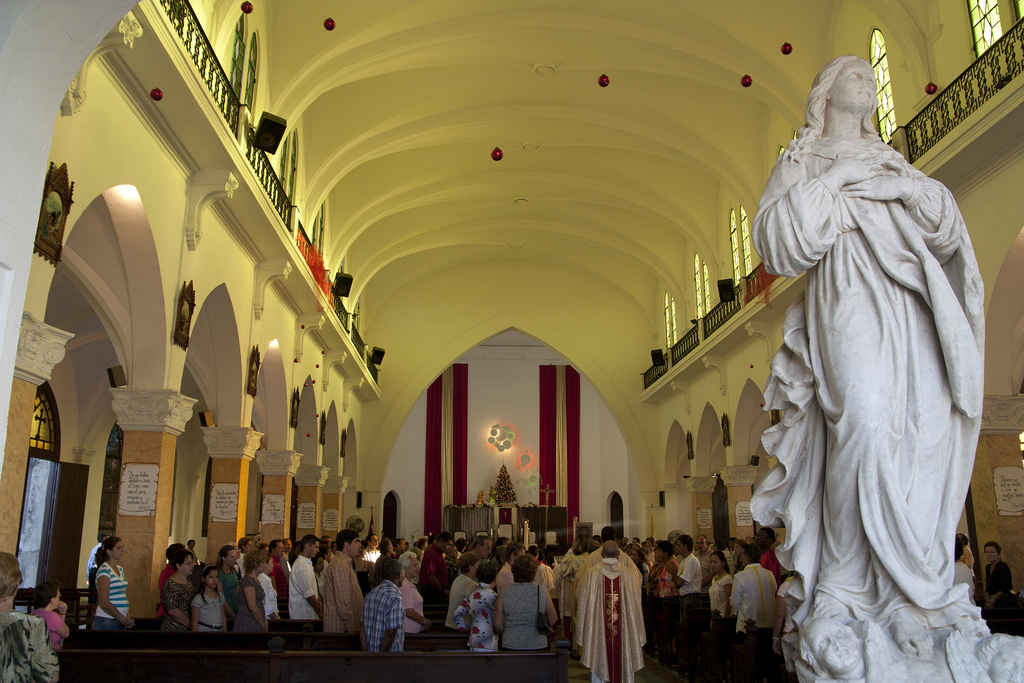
(253, 66)
(238, 56)
(885, 115)
(293, 166)
(670, 321)
(1020, 10)
(734, 242)
(111, 481)
(985, 23)
(701, 287)
(44, 441)
(318, 228)
(747, 251)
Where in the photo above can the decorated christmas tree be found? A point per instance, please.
(503, 489)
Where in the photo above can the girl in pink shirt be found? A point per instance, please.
(47, 605)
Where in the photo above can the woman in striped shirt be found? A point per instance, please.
(111, 588)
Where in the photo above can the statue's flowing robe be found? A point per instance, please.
(880, 378)
(610, 623)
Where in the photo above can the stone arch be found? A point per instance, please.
(332, 443)
(350, 469)
(215, 358)
(677, 464)
(110, 246)
(1004, 325)
(708, 448)
(307, 433)
(751, 421)
(272, 408)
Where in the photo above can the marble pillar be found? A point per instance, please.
(330, 517)
(700, 489)
(151, 419)
(278, 469)
(40, 347)
(231, 449)
(739, 480)
(310, 480)
(999, 447)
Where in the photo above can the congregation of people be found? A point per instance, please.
(499, 593)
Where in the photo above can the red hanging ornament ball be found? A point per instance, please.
(313, 381)
(246, 7)
(318, 365)
(307, 433)
(157, 94)
(302, 327)
(787, 48)
(931, 88)
(318, 414)
(304, 384)
(762, 405)
(296, 360)
(746, 81)
(323, 353)
(751, 366)
(603, 80)
(497, 154)
(329, 24)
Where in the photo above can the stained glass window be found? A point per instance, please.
(293, 166)
(745, 234)
(885, 115)
(734, 242)
(45, 434)
(1020, 10)
(670, 321)
(698, 286)
(238, 56)
(985, 23)
(253, 66)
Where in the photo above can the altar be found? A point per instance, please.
(548, 523)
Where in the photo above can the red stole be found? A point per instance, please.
(613, 627)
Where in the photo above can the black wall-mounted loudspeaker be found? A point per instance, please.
(376, 355)
(661, 498)
(116, 376)
(359, 499)
(726, 290)
(657, 357)
(342, 284)
(754, 459)
(206, 418)
(269, 133)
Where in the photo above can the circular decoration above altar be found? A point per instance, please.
(502, 437)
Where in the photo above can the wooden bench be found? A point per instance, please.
(145, 666)
(79, 614)
(754, 659)
(717, 648)
(306, 642)
(695, 620)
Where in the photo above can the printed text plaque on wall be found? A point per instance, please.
(331, 519)
(743, 517)
(1009, 485)
(306, 516)
(273, 508)
(138, 489)
(704, 518)
(224, 502)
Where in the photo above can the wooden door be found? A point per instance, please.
(720, 510)
(66, 539)
(389, 526)
(616, 514)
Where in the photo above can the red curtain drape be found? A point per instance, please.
(432, 473)
(460, 423)
(546, 446)
(572, 439)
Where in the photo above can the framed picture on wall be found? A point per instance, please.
(323, 427)
(583, 530)
(183, 317)
(254, 371)
(294, 420)
(53, 214)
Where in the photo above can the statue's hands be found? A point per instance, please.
(882, 188)
(846, 171)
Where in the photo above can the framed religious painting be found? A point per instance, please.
(583, 530)
(53, 214)
(254, 371)
(689, 446)
(344, 438)
(294, 420)
(323, 427)
(183, 318)
(726, 437)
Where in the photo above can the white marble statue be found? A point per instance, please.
(880, 378)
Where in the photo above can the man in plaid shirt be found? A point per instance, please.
(383, 612)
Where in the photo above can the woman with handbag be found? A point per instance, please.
(998, 580)
(524, 613)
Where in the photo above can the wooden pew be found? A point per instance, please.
(145, 666)
(717, 648)
(695, 621)
(754, 659)
(307, 642)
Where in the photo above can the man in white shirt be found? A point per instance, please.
(753, 588)
(371, 554)
(545, 575)
(269, 596)
(303, 602)
(689, 578)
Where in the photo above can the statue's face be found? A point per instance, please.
(854, 90)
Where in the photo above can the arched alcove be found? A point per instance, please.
(1004, 326)
(350, 469)
(215, 359)
(751, 421)
(390, 516)
(307, 433)
(332, 441)
(709, 451)
(273, 400)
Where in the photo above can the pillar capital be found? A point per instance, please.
(701, 484)
(1003, 415)
(739, 475)
(231, 442)
(151, 410)
(336, 485)
(82, 456)
(40, 347)
(278, 463)
(312, 475)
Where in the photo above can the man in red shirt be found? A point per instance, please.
(278, 574)
(434, 571)
(766, 539)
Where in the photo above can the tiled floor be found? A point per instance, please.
(651, 673)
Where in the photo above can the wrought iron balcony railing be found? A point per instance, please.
(989, 74)
(721, 313)
(341, 311)
(268, 179)
(758, 282)
(360, 345)
(652, 374)
(688, 343)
